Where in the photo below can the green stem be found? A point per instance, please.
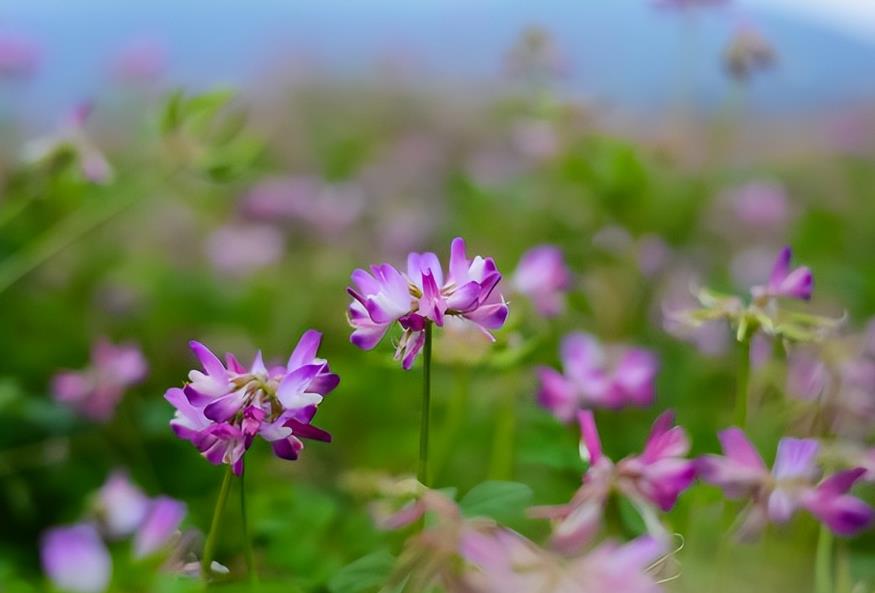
(422, 473)
(823, 561)
(213, 537)
(741, 394)
(250, 557)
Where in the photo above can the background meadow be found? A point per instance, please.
(224, 192)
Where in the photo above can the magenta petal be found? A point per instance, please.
(308, 431)
(212, 365)
(75, 559)
(799, 284)
(780, 269)
(591, 445)
(795, 458)
(737, 448)
(159, 526)
(223, 408)
(288, 448)
(557, 394)
(306, 349)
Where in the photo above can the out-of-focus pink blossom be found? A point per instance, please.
(242, 249)
(159, 526)
(792, 484)
(140, 61)
(593, 376)
(121, 505)
(19, 56)
(652, 480)
(761, 205)
(543, 276)
(95, 391)
(75, 559)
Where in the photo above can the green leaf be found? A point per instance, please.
(497, 500)
(368, 572)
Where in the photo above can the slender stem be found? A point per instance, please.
(422, 473)
(213, 537)
(823, 561)
(741, 393)
(250, 558)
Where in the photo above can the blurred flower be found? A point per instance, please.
(792, 484)
(159, 526)
(221, 410)
(761, 205)
(652, 480)
(19, 56)
(594, 377)
(653, 254)
(505, 562)
(141, 61)
(75, 559)
(543, 277)
(121, 505)
(95, 391)
(748, 53)
(241, 249)
(72, 142)
(784, 282)
(328, 208)
(422, 296)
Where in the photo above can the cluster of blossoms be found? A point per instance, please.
(95, 391)
(764, 311)
(76, 558)
(652, 480)
(594, 376)
(422, 296)
(792, 484)
(223, 408)
(476, 555)
(543, 277)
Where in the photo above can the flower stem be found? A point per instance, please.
(422, 473)
(823, 561)
(212, 538)
(247, 540)
(743, 379)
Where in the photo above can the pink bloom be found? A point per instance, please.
(760, 204)
(384, 296)
(652, 480)
(242, 249)
(19, 56)
(95, 391)
(75, 559)
(141, 61)
(159, 526)
(792, 483)
(121, 505)
(225, 406)
(784, 282)
(544, 278)
(592, 377)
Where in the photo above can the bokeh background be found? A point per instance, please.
(246, 157)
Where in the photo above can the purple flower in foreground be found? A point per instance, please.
(95, 391)
(544, 278)
(75, 559)
(422, 296)
(592, 377)
(786, 282)
(792, 484)
(223, 408)
(652, 480)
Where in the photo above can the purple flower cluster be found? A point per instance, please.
(544, 278)
(223, 407)
(792, 484)
(594, 377)
(653, 479)
(76, 559)
(95, 391)
(422, 296)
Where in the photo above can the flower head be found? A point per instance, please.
(424, 295)
(95, 391)
(224, 407)
(75, 559)
(594, 377)
(792, 484)
(785, 282)
(543, 277)
(652, 480)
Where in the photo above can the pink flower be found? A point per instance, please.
(544, 278)
(242, 249)
(384, 296)
(225, 406)
(159, 526)
(652, 480)
(95, 391)
(19, 56)
(593, 377)
(792, 484)
(141, 61)
(75, 559)
(784, 282)
(121, 505)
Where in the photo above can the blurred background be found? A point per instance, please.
(215, 170)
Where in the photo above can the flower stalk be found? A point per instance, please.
(422, 472)
(823, 561)
(212, 538)
(743, 380)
